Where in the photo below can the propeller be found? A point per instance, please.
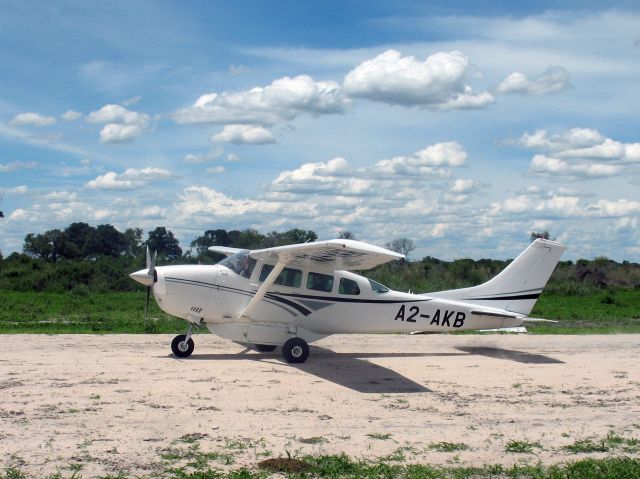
(151, 264)
(147, 277)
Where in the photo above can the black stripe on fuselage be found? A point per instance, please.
(340, 299)
(503, 298)
(295, 306)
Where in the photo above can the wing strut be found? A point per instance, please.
(264, 287)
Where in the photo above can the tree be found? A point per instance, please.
(296, 236)
(163, 241)
(248, 239)
(541, 234)
(402, 245)
(346, 235)
(47, 245)
(217, 237)
(133, 240)
(109, 241)
(79, 241)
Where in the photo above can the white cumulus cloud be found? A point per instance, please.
(115, 133)
(615, 208)
(437, 81)
(71, 115)
(244, 134)
(121, 124)
(212, 155)
(32, 119)
(434, 160)
(579, 153)
(131, 179)
(281, 101)
(553, 80)
(545, 165)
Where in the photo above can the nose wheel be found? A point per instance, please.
(182, 345)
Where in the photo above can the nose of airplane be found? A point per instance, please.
(143, 277)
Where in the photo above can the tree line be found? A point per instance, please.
(82, 258)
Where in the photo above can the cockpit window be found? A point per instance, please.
(240, 263)
(377, 287)
(348, 286)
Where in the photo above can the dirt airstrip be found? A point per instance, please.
(122, 402)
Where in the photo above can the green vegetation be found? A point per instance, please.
(449, 446)
(609, 311)
(610, 443)
(82, 312)
(203, 466)
(523, 447)
(76, 280)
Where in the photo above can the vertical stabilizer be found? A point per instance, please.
(519, 285)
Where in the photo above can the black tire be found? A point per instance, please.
(265, 348)
(295, 350)
(177, 346)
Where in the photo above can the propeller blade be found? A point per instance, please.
(146, 303)
(151, 262)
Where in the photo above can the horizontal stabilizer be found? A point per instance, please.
(539, 320)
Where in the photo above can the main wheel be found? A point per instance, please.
(295, 350)
(182, 348)
(265, 348)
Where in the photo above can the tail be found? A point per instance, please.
(519, 285)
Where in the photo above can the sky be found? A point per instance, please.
(463, 126)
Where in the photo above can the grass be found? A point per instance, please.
(335, 466)
(80, 311)
(49, 313)
(522, 447)
(600, 313)
(610, 443)
(449, 446)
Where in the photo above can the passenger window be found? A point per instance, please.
(320, 282)
(288, 277)
(348, 286)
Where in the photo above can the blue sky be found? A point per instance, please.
(463, 126)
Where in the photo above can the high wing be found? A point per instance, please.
(225, 250)
(337, 254)
(323, 255)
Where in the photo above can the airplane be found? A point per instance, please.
(290, 296)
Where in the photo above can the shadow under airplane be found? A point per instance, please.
(517, 356)
(353, 371)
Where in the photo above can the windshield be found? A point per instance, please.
(377, 287)
(240, 263)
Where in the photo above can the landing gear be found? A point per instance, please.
(295, 350)
(182, 345)
(265, 348)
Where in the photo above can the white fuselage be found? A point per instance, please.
(217, 296)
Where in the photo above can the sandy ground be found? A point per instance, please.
(118, 402)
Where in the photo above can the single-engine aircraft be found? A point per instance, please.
(290, 296)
